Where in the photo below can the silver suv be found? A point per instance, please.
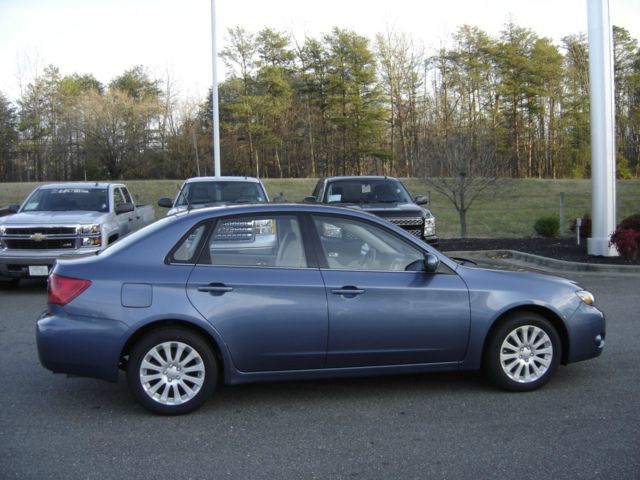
(198, 192)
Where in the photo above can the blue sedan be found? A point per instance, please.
(276, 292)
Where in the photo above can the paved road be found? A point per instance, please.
(585, 424)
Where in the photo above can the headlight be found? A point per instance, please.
(90, 235)
(88, 229)
(429, 226)
(264, 227)
(586, 297)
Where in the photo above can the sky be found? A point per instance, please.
(172, 38)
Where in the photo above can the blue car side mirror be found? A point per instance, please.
(429, 264)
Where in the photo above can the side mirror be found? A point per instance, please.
(125, 208)
(429, 264)
(14, 207)
(165, 202)
(310, 200)
(421, 199)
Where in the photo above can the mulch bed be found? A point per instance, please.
(558, 248)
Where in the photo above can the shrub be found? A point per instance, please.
(547, 226)
(585, 228)
(626, 238)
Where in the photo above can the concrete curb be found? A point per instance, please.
(515, 257)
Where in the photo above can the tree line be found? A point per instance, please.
(511, 105)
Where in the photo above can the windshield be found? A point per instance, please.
(68, 199)
(381, 190)
(220, 192)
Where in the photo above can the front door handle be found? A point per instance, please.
(347, 291)
(215, 288)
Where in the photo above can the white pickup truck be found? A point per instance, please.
(67, 219)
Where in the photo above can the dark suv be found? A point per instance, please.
(386, 197)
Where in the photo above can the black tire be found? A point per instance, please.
(188, 382)
(523, 353)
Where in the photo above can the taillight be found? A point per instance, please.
(62, 290)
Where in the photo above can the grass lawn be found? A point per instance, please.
(510, 211)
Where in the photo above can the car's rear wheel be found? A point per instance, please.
(172, 371)
(523, 353)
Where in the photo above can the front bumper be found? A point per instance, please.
(83, 346)
(587, 333)
(433, 240)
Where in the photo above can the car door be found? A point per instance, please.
(136, 222)
(380, 313)
(254, 285)
(125, 219)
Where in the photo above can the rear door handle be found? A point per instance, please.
(215, 288)
(348, 291)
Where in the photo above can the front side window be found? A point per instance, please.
(264, 241)
(118, 198)
(357, 245)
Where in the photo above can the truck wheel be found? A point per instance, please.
(523, 353)
(172, 371)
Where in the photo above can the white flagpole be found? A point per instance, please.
(214, 94)
(603, 139)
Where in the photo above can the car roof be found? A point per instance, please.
(279, 208)
(80, 185)
(222, 179)
(359, 177)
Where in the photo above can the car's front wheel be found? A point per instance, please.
(523, 353)
(172, 371)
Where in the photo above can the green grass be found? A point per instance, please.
(510, 212)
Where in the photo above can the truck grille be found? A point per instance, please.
(53, 244)
(40, 238)
(43, 230)
(234, 231)
(412, 225)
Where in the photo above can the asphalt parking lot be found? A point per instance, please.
(584, 424)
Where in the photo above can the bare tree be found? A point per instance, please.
(468, 171)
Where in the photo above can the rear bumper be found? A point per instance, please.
(83, 346)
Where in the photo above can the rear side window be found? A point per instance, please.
(187, 250)
(127, 195)
(257, 241)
